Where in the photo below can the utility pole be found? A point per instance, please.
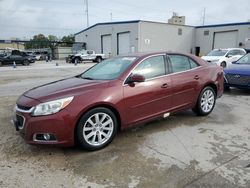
(111, 17)
(86, 3)
(204, 16)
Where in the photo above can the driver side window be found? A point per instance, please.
(151, 67)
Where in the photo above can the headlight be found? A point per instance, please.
(51, 107)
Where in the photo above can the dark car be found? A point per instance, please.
(120, 92)
(16, 56)
(238, 74)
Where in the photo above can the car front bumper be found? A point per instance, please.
(59, 126)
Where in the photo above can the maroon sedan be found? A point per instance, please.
(118, 93)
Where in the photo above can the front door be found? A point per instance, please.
(149, 98)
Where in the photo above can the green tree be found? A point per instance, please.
(68, 40)
(38, 41)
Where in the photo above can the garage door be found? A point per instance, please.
(226, 39)
(106, 45)
(123, 43)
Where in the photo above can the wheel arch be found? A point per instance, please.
(104, 105)
(212, 85)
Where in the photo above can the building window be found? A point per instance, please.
(179, 31)
(206, 32)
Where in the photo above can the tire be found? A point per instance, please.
(76, 60)
(26, 63)
(223, 64)
(98, 59)
(206, 102)
(96, 129)
(226, 88)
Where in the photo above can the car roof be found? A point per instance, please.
(142, 55)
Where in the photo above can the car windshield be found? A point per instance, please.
(244, 60)
(217, 53)
(108, 69)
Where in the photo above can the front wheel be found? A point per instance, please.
(97, 128)
(26, 62)
(206, 102)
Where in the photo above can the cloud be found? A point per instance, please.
(61, 17)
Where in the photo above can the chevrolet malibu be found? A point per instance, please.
(118, 93)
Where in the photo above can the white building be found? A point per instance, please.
(117, 38)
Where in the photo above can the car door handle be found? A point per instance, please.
(196, 77)
(164, 85)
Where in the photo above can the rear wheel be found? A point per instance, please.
(96, 128)
(206, 102)
(223, 64)
(98, 59)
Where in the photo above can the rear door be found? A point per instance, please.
(185, 78)
(149, 98)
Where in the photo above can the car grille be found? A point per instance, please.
(238, 79)
(23, 107)
(20, 121)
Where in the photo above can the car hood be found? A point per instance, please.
(238, 69)
(211, 58)
(64, 88)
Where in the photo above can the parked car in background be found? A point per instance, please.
(120, 92)
(40, 55)
(224, 57)
(85, 55)
(238, 75)
(247, 50)
(16, 56)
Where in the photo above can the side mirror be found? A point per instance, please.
(136, 78)
(234, 62)
(229, 56)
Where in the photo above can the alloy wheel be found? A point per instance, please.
(207, 101)
(98, 129)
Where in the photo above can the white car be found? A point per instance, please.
(89, 55)
(224, 57)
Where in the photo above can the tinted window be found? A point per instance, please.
(179, 63)
(151, 67)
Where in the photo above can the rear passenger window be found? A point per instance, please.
(181, 63)
(151, 67)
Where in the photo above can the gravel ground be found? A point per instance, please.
(181, 151)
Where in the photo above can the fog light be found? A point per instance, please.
(46, 137)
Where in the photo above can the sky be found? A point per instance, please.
(26, 18)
